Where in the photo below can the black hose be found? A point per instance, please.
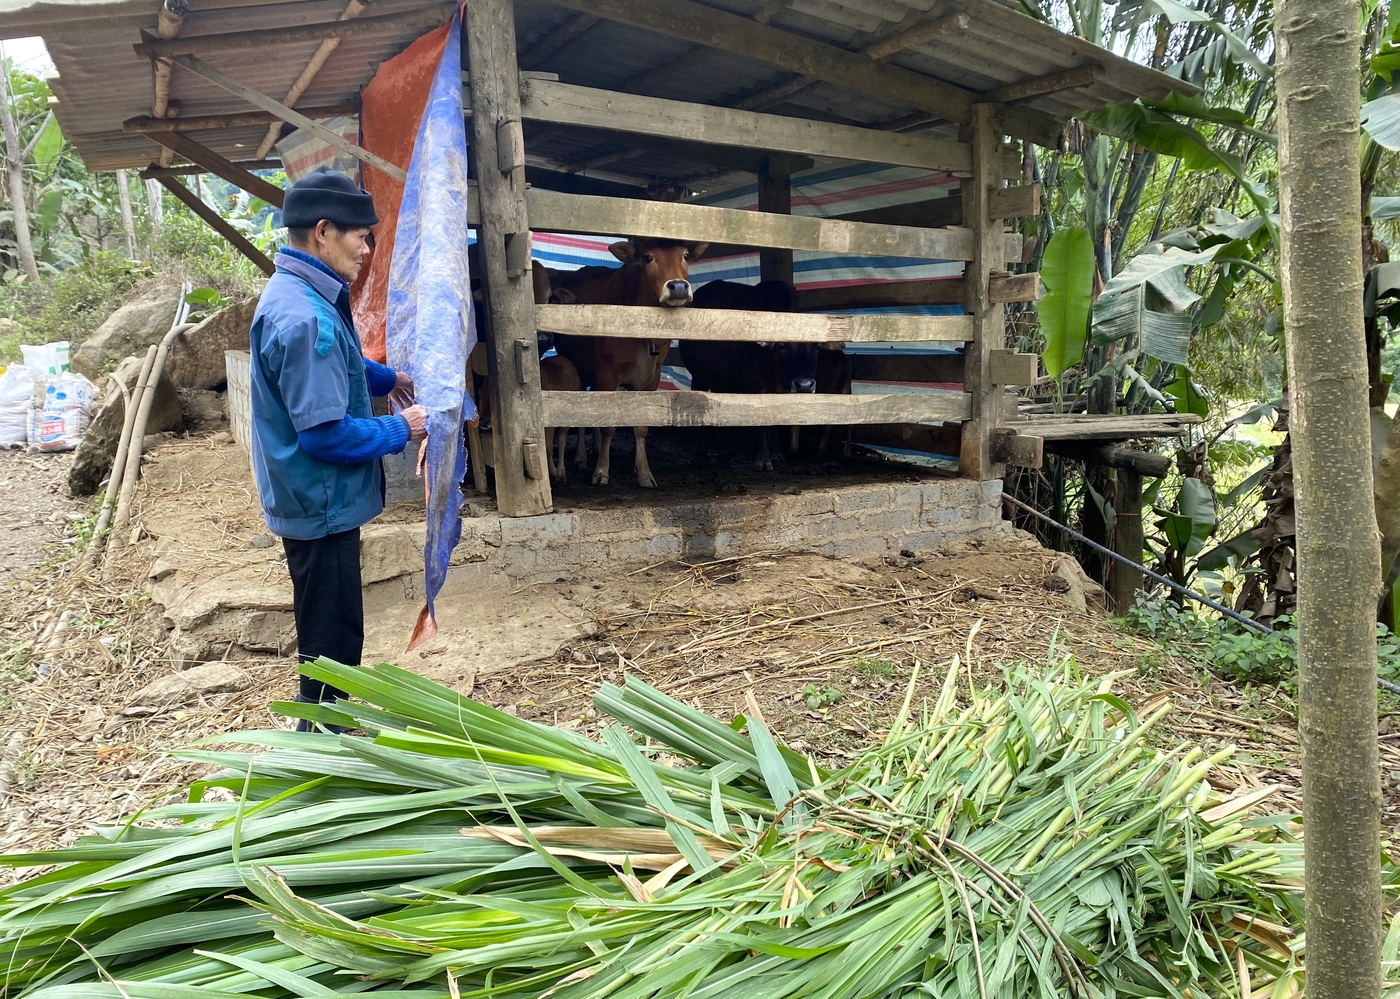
(1172, 584)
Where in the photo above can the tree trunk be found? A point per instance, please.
(155, 206)
(1338, 545)
(128, 223)
(14, 167)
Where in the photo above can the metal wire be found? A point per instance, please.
(1172, 584)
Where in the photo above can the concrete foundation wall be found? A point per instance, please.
(249, 607)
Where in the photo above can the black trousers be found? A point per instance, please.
(327, 603)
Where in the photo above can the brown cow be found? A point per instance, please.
(654, 272)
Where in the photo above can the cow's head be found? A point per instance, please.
(796, 366)
(665, 267)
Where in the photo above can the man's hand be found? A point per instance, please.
(401, 395)
(417, 418)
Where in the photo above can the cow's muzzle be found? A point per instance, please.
(804, 385)
(677, 293)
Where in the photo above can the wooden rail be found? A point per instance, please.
(733, 324)
(711, 409)
(569, 104)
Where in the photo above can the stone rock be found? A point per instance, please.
(1079, 590)
(211, 678)
(197, 356)
(93, 459)
(269, 631)
(130, 330)
(202, 409)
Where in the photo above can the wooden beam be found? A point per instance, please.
(975, 460)
(775, 198)
(1015, 288)
(208, 122)
(198, 45)
(557, 39)
(274, 106)
(942, 440)
(353, 9)
(1086, 427)
(1010, 368)
(1144, 463)
(919, 34)
(719, 29)
(215, 221)
(1128, 541)
(567, 104)
(712, 409)
(1070, 79)
(551, 211)
(1022, 201)
(734, 324)
(212, 162)
(1018, 450)
(503, 237)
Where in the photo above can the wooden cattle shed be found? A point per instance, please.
(603, 117)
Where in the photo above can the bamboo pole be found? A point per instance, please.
(352, 10)
(132, 471)
(119, 462)
(168, 22)
(128, 222)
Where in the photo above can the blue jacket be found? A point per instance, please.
(316, 441)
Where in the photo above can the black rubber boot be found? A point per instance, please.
(303, 725)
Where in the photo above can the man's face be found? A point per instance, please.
(342, 250)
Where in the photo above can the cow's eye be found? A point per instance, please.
(685, 256)
(648, 259)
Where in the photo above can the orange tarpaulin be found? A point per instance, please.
(391, 108)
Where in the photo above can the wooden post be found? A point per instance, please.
(1123, 583)
(988, 318)
(775, 196)
(517, 415)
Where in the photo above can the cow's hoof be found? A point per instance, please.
(600, 478)
(646, 482)
(764, 464)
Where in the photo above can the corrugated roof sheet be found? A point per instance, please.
(102, 81)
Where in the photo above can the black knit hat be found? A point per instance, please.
(327, 194)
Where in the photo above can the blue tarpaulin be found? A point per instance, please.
(429, 328)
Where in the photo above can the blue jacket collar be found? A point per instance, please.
(327, 282)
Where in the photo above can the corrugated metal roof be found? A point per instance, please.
(102, 81)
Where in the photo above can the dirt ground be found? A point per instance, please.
(827, 646)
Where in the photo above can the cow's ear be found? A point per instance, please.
(697, 250)
(764, 343)
(624, 251)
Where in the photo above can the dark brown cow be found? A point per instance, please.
(745, 366)
(654, 272)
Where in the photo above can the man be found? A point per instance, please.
(317, 444)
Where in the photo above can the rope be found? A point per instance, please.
(1170, 583)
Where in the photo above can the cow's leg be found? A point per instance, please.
(604, 465)
(765, 457)
(644, 477)
(558, 440)
(826, 443)
(794, 440)
(581, 451)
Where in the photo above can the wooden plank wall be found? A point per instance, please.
(969, 228)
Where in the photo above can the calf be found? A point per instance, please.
(745, 366)
(834, 378)
(654, 272)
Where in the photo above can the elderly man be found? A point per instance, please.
(317, 444)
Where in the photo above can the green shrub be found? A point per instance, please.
(68, 305)
(1234, 652)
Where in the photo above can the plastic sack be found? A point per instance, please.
(47, 359)
(58, 421)
(16, 392)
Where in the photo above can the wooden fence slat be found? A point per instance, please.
(710, 409)
(567, 104)
(734, 324)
